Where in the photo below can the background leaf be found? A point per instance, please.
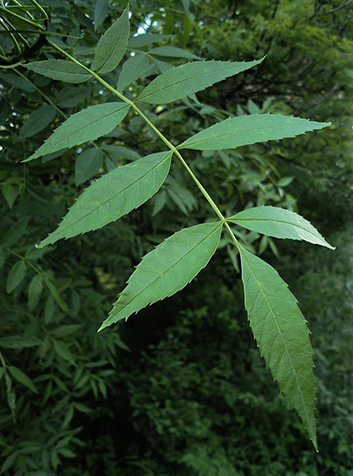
(189, 78)
(167, 269)
(100, 12)
(86, 125)
(16, 275)
(173, 52)
(112, 45)
(132, 70)
(87, 165)
(282, 336)
(113, 195)
(279, 223)
(38, 121)
(22, 378)
(245, 130)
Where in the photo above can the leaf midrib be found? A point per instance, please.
(281, 334)
(167, 270)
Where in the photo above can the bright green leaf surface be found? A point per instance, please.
(112, 45)
(246, 130)
(37, 121)
(88, 124)
(167, 269)
(282, 336)
(113, 195)
(279, 223)
(132, 70)
(61, 70)
(87, 165)
(189, 78)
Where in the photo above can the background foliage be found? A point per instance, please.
(180, 388)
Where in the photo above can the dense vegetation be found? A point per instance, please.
(180, 388)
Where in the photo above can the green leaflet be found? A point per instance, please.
(87, 165)
(246, 130)
(178, 82)
(113, 195)
(86, 125)
(62, 70)
(279, 223)
(112, 45)
(38, 121)
(132, 70)
(167, 269)
(282, 336)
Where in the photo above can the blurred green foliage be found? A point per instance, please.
(179, 389)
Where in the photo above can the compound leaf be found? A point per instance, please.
(113, 195)
(88, 124)
(246, 130)
(167, 269)
(61, 70)
(178, 82)
(282, 336)
(279, 223)
(112, 45)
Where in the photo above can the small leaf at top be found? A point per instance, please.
(178, 82)
(113, 195)
(112, 45)
(279, 223)
(282, 336)
(246, 130)
(61, 70)
(167, 269)
(86, 125)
